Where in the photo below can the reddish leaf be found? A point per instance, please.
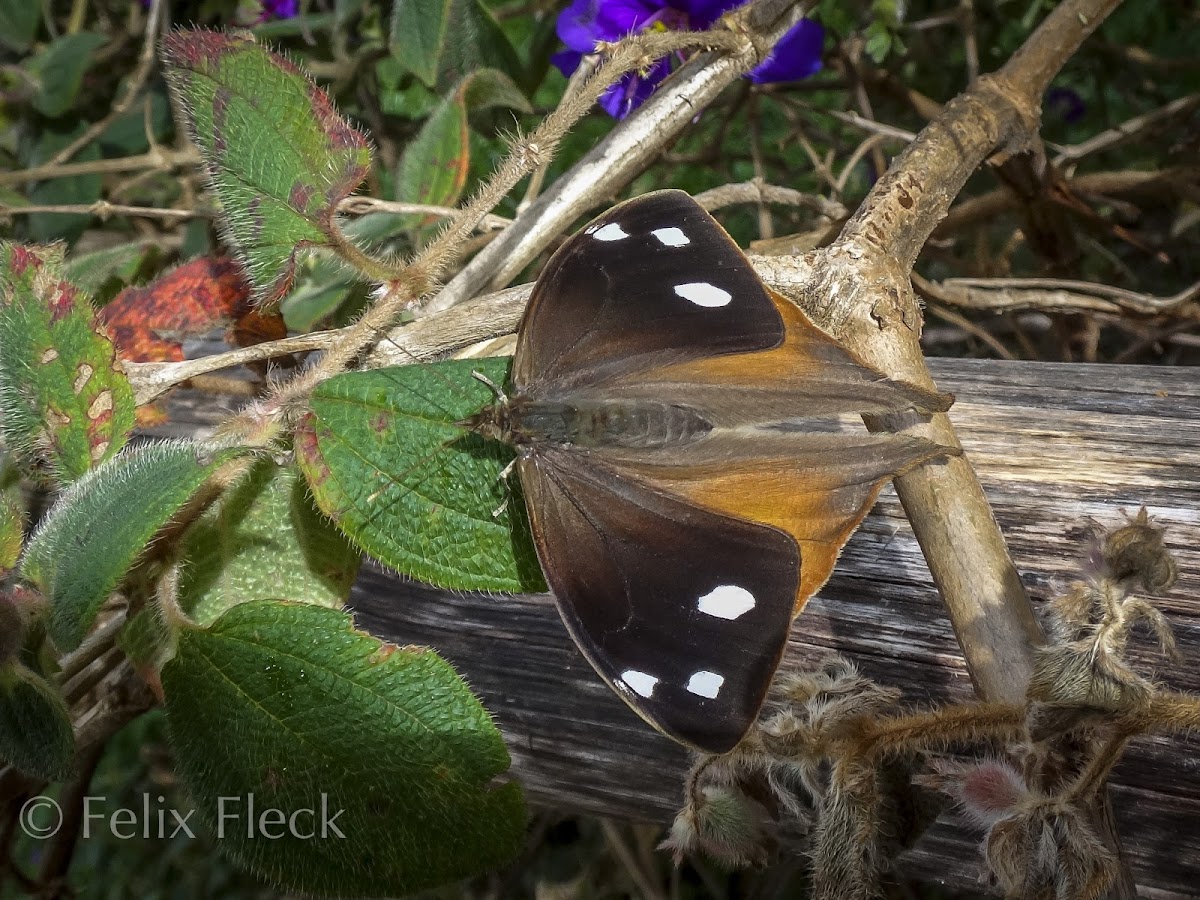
(147, 323)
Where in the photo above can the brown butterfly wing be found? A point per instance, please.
(683, 611)
(654, 299)
(617, 278)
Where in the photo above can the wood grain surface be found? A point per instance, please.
(1058, 448)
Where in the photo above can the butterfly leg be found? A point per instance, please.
(505, 474)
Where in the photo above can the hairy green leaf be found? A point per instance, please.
(62, 399)
(91, 537)
(279, 156)
(288, 707)
(264, 540)
(35, 729)
(385, 460)
(433, 167)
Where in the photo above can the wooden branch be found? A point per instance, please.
(859, 290)
(1057, 446)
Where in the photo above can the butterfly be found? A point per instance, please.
(671, 417)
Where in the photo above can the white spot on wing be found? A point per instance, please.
(610, 232)
(726, 601)
(705, 684)
(671, 237)
(703, 294)
(639, 682)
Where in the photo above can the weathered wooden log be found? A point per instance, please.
(1058, 447)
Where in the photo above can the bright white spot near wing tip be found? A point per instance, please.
(703, 294)
(610, 232)
(639, 682)
(705, 684)
(726, 601)
(671, 237)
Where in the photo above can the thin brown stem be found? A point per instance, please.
(134, 87)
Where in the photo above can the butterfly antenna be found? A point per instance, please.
(500, 395)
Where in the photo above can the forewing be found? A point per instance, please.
(683, 611)
(808, 374)
(652, 281)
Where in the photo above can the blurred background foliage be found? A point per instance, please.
(90, 155)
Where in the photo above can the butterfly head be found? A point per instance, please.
(495, 421)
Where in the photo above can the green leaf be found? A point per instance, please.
(289, 705)
(19, 20)
(126, 136)
(59, 71)
(325, 292)
(72, 190)
(280, 158)
(61, 395)
(35, 729)
(92, 536)
(106, 271)
(879, 42)
(489, 88)
(385, 460)
(264, 540)
(442, 41)
(433, 166)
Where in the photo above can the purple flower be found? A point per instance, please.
(585, 23)
(1066, 104)
(280, 9)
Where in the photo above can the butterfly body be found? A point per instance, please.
(685, 489)
(638, 424)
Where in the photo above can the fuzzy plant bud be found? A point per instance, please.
(1049, 851)
(721, 823)
(1136, 552)
(987, 791)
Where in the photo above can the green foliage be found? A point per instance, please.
(90, 539)
(102, 273)
(19, 20)
(441, 41)
(289, 705)
(59, 70)
(263, 540)
(434, 165)
(71, 190)
(385, 460)
(279, 156)
(35, 730)
(12, 528)
(62, 399)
